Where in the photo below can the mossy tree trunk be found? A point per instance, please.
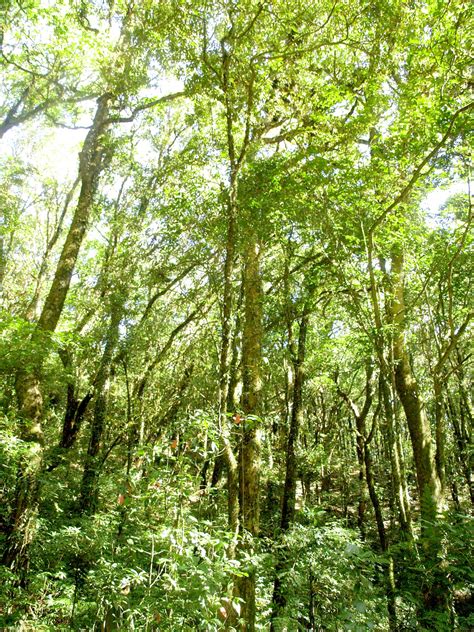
(27, 380)
(249, 457)
(435, 610)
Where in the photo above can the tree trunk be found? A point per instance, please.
(462, 442)
(3, 256)
(73, 417)
(364, 456)
(224, 364)
(27, 381)
(440, 434)
(89, 485)
(21, 526)
(361, 509)
(435, 593)
(289, 491)
(429, 486)
(249, 460)
(396, 459)
(384, 545)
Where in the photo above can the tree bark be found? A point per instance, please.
(224, 374)
(440, 432)
(289, 491)
(73, 416)
(364, 455)
(462, 438)
(91, 162)
(429, 485)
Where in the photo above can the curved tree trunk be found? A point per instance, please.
(435, 593)
(364, 455)
(27, 381)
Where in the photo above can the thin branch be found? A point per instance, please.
(140, 385)
(166, 289)
(453, 342)
(252, 22)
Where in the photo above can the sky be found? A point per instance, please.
(436, 198)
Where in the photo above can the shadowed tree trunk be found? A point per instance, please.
(396, 460)
(364, 454)
(89, 485)
(225, 393)
(387, 393)
(289, 491)
(418, 425)
(73, 417)
(461, 435)
(291, 474)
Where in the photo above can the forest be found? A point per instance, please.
(236, 312)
